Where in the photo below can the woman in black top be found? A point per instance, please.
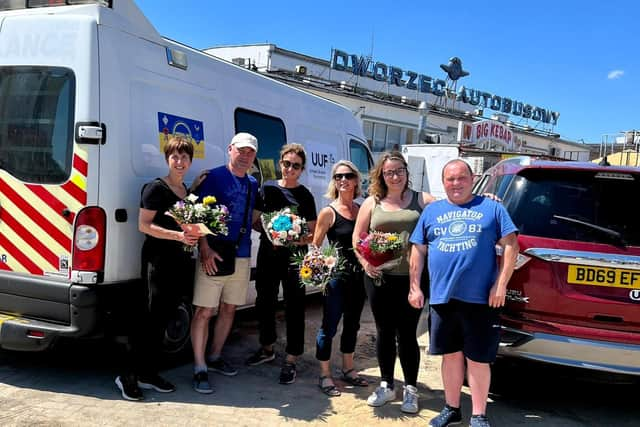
(345, 294)
(274, 265)
(167, 271)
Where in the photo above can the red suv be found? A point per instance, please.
(574, 298)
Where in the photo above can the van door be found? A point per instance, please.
(47, 83)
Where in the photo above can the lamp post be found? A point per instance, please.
(422, 121)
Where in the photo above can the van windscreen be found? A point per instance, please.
(36, 123)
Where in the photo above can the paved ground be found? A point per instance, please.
(73, 386)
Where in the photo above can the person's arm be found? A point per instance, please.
(255, 220)
(425, 198)
(146, 225)
(363, 221)
(311, 223)
(510, 249)
(196, 182)
(416, 270)
(325, 219)
(208, 257)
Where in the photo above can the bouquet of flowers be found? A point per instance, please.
(382, 250)
(200, 218)
(318, 266)
(284, 227)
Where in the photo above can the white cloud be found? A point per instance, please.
(615, 74)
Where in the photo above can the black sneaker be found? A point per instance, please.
(261, 356)
(201, 383)
(155, 382)
(128, 385)
(221, 367)
(288, 373)
(479, 421)
(448, 416)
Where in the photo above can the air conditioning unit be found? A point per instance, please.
(301, 69)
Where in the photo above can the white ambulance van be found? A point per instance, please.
(89, 94)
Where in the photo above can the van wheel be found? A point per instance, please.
(177, 334)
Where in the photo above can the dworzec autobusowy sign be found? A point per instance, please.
(366, 67)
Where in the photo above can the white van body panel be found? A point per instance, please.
(124, 84)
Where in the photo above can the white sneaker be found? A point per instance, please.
(410, 400)
(382, 395)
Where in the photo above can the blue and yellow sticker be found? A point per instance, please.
(170, 125)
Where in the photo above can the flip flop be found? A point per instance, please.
(330, 390)
(357, 380)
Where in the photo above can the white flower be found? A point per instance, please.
(192, 198)
(330, 261)
(282, 235)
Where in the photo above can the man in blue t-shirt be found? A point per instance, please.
(233, 187)
(467, 286)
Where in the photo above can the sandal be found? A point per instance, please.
(329, 389)
(355, 380)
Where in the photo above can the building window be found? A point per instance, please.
(379, 137)
(367, 128)
(384, 137)
(393, 138)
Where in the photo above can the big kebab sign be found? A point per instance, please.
(486, 134)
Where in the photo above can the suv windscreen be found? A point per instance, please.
(584, 206)
(36, 130)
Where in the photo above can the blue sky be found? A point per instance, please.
(580, 58)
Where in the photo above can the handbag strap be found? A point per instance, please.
(243, 229)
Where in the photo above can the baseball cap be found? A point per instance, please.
(244, 139)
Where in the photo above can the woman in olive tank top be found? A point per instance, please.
(392, 207)
(345, 294)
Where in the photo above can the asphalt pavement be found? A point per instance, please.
(73, 386)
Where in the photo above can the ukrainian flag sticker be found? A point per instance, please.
(193, 130)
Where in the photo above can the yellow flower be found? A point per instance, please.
(209, 200)
(392, 238)
(305, 273)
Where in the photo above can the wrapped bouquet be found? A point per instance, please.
(382, 250)
(318, 266)
(284, 227)
(200, 218)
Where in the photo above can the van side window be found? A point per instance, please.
(36, 125)
(362, 159)
(271, 134)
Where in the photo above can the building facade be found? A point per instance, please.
(399, 106)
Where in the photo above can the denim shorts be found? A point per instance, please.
(471, 328)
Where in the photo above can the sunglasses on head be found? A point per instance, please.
(348, 175)
(287, 164)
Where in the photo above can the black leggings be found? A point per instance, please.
(165, 283)
(274, 266)
(395, 318)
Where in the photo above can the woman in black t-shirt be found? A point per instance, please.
(274, 265)
(167, 271)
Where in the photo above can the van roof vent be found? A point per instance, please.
(26, 4)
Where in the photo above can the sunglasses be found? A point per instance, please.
(287, 164)
(340, 176)
(400, 172)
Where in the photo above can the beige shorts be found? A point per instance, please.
(208, 291)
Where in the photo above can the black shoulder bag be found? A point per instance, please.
(228, 249)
